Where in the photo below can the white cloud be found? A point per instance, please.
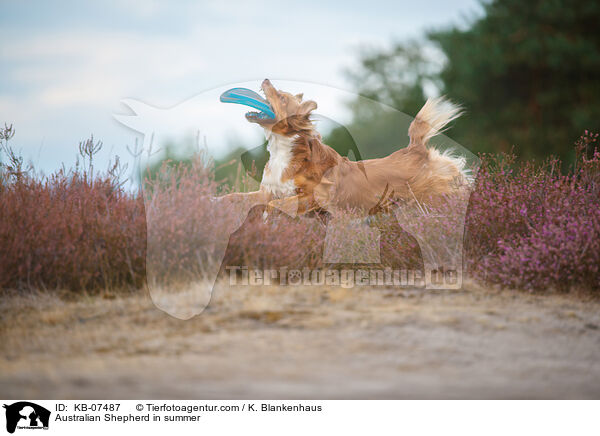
(91, 68)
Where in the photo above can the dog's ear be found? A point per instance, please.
(299, 96)
(307, 107)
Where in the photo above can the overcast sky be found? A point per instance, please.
(66, 65)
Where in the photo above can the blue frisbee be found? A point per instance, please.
(247, 97)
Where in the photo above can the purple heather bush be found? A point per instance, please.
(74, 230)
(528, 226)
(534, 227)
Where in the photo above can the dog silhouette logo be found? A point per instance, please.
(26, 415)
(190, 226)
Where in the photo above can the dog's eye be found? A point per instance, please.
(282, 98)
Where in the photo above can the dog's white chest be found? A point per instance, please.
(280, 156)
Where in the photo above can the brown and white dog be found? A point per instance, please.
(303, 174)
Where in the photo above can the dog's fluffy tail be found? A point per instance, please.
(432, 119)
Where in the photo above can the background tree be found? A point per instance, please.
(527, 74)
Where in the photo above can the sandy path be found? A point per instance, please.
(304, 343)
